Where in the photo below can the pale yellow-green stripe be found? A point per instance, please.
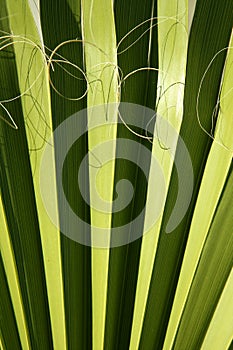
(23, 25)
(172, 47)
(1, 344)
(216, 170)
(220, 332)
(12, 279)
(98, 28)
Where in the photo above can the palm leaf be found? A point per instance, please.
(71, 68)
(19, 203)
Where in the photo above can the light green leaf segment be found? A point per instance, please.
(34, 86)
(100, 54)
(1, 346)
(219, 334)
(12, 279)
(172, 48)
(213, 181)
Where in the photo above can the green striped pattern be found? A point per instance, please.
(169, 289)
